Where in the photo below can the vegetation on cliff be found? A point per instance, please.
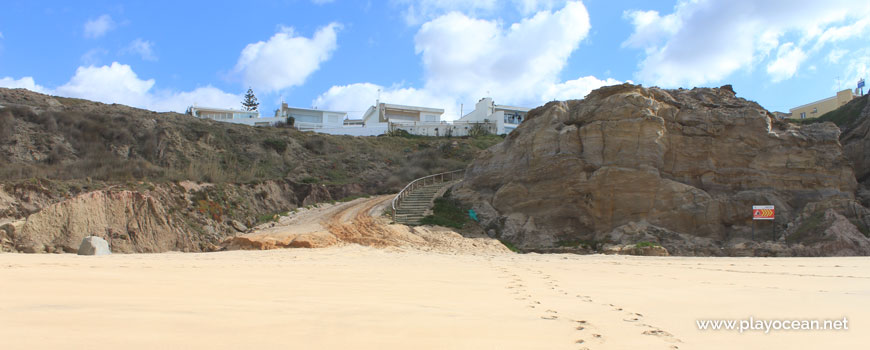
(69, 139)
(204, 179)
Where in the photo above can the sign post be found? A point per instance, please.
(861, 86)
(763, 212)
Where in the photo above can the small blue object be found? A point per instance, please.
(473, 215)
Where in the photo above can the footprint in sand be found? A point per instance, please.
(656, 332)
(584, 326)
(585, 298)
(633, 317)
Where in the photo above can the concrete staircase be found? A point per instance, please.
(414, 206)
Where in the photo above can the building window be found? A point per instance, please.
(803, 115)
(815, 110)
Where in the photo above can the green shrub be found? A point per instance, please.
(276, 144)
(510, 246)
(264, 218)
(447, 212)
(808, 226)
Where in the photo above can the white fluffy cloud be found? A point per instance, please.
(23, 83)
(858, 68)
(705, 41)
(143, 48)
(576, 89)
(118, 83)
(98, 27)
(844, 32)
(788, 58)
(651, 29)
(466, 58)
(285, 60)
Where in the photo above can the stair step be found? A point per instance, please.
(417, 202)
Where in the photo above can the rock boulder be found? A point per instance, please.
(93, 245)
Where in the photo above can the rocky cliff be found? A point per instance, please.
(677, 167)
(855, 125)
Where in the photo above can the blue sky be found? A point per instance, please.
(166, 55)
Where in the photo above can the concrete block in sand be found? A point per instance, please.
(93, 245)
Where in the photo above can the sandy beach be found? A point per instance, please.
(366, 298)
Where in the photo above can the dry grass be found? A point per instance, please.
(85, 140)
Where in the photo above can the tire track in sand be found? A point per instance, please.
(354, 224)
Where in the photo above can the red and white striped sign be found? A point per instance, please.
(762, 212)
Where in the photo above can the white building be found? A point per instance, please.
(311, 119)
(384, 113)
(326, 122)
(413, 119)
(506, 118)
(235, 116)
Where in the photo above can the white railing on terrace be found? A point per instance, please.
(423, 181)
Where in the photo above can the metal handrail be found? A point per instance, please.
(423, 181)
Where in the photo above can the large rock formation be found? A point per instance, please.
(689, 163)
(856, 141)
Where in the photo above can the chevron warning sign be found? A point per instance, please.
(762, 212)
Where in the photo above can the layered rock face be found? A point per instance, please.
(689, 162)
(856, 142)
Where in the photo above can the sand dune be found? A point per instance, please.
(365, 298)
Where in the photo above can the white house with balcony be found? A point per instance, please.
(326, 121)
(413, 119)
(235, 116)
(384, 113)
(506, 118)
(311, 119)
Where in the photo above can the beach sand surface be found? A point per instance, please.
(355, 297)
